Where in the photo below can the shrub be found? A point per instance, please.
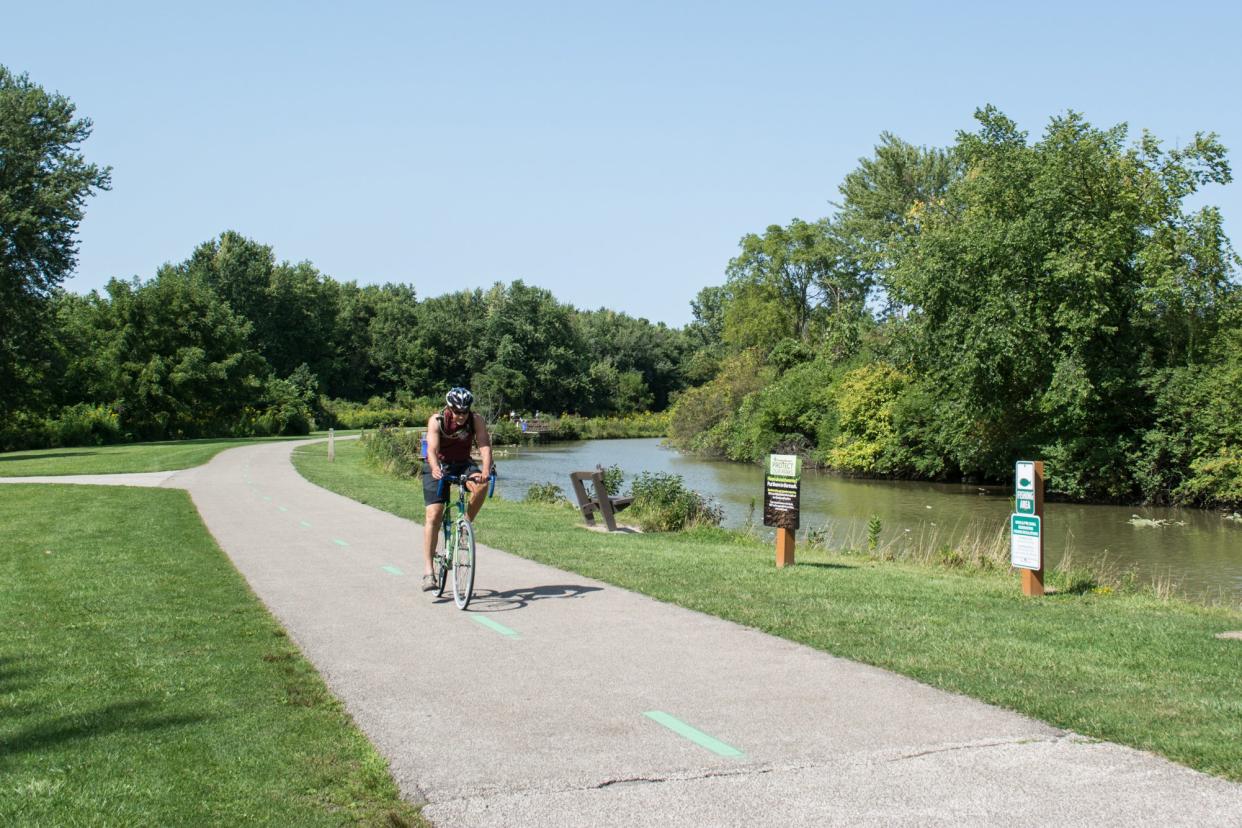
(546, 493)
(613, 479)
(505, 433)
(662, 503)
(84, 424)
(394, 451)
(378, 411)
(1214, 480)
(874, 527)
(288, 409)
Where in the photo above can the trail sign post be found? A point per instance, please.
(1026, 535)
(781, 495)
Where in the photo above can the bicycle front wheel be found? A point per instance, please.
(463, 564)
(439, 571)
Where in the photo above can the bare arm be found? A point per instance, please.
(484, 441)
(433, 448)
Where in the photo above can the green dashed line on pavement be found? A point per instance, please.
(339, 542)
(304, 524)
(392, 569)
(268, 499)
(495, 626)
(693, 734)
(283, 508)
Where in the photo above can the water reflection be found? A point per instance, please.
(1200, 550)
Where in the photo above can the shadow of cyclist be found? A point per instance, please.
(488, 600)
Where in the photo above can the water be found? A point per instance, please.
(1200, 551)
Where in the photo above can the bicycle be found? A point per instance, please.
(458, 553)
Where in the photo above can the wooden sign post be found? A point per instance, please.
(331, 445)
(1026, 529)
(781, 491)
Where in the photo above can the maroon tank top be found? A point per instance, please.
(455, 445)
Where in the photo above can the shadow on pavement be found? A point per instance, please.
(514, 599)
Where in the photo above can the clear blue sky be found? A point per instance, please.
(612, 153)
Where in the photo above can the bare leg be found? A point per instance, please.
(431, 532)
(478, 494)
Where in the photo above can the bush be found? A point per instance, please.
(84, 424)
(1214, 480)
(505, 433)
(613, 479)
(662, 503)
(376, 412)
(394, 451)
(288, 409)
(546, 493)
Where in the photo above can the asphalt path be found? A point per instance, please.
(556, 700)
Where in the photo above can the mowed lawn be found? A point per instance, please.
(141, 682)
(1126, 667)
(127, 458)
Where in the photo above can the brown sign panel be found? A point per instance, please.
(780, 502)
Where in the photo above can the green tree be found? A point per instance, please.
(798, 282)
(654, 353)
(1026, 285)
(44, 184)
(179, 362)
(882, 199)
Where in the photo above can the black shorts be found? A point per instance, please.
(431, 487)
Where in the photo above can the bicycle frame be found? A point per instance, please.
(454, 523)
(460, 483)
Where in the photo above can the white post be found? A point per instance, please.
(332, 445)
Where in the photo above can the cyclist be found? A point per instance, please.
(450, 435)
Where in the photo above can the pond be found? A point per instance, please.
(1200, 551)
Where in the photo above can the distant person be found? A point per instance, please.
(450, 435)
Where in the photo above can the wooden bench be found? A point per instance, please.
(603, 503)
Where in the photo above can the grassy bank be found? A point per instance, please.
(142, 683)
(1129, 668)
(126, 458)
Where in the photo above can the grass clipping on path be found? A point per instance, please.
(141, 682)
(1129, 668)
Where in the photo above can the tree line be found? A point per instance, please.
(232, 342)
(998, 298)
(963, 306)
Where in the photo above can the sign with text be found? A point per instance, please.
(1024, 487)
(1025, 550)
(781, 491)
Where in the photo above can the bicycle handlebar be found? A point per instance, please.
(450, 479)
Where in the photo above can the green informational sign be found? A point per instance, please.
(787, 466)
(1024, 487)
(1025, 548)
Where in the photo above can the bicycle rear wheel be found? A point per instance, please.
(463, 564)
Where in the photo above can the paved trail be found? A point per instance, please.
(561, 701)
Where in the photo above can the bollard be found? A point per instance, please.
(332, 445)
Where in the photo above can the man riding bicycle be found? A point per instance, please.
(450, 435)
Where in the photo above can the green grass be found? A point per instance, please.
(1129, 668)
(123, 459)
(141, 682)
